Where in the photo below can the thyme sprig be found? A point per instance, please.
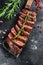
(22, 27)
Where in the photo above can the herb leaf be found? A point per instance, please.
(14, 4)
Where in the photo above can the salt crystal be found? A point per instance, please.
(14, 14)
(32, 40)
(36, 42)
(1, 21)
(34, 47)
(4, 32)
(5, 29)
(2, 37)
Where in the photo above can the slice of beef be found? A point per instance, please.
(10, 36)
(30, 12)
(17, 27)
(23, 38)
(13, 31)
(18, 43)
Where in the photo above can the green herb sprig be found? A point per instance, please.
(14, 4)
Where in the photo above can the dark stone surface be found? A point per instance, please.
(32, 53)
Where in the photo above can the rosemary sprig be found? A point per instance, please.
(14, 4)
(3, 11)
(11, 11)
(22, 27)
